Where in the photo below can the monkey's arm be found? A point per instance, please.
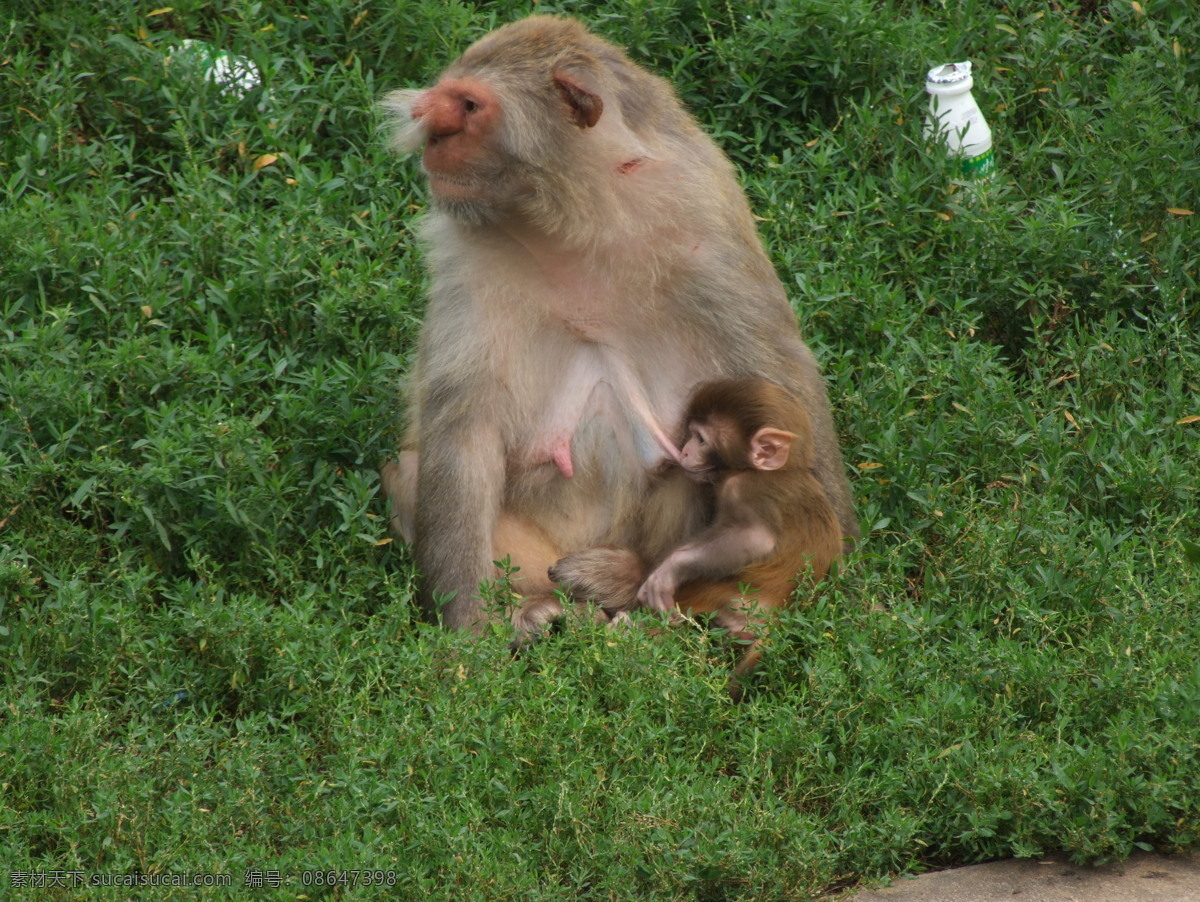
(722, 550)
(460, 484)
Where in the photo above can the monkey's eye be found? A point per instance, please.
(470, 105)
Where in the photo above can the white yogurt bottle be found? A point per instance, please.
(234, 75)
(955, 116)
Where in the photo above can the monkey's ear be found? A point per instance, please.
(769, 448)
(586, 105)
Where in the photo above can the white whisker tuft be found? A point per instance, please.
(408, 133)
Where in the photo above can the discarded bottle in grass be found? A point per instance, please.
(233, 74)
(954, 115)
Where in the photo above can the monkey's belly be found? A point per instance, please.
(596, 503)
(596, 415)
(602, 441)
(581, 473)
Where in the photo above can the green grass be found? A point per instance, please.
(209, 663)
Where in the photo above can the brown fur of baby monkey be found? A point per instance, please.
(772, 530)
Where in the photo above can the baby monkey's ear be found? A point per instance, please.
(769, 448)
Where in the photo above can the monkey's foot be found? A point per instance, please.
(620, 621)
(606, 575)
(534, 618)
(398, 483)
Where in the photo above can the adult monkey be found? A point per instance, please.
(592, 258)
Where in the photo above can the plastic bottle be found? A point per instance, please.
(233, 74)
(954, 115)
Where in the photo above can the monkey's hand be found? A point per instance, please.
(658, 591)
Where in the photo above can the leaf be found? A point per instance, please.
(162, 11)
(1194, 418)
(1191, 551)
(1180, 211)
(265, 160)
(83, 492)
(157, 524)
(871, 466)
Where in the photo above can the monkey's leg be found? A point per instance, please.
(529, 549)
(743, 618)
(746, 626)
(521, 542)
(605, 575)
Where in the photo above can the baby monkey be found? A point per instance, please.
(750, 444)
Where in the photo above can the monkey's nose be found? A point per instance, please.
(441, 115)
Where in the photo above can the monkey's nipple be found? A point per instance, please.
(560, 456)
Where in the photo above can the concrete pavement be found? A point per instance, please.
(1145, 877)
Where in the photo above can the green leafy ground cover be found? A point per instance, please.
(210, 665)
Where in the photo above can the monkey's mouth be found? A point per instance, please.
(448, 188)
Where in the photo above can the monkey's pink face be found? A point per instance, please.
(461, 117)
(698, 454)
